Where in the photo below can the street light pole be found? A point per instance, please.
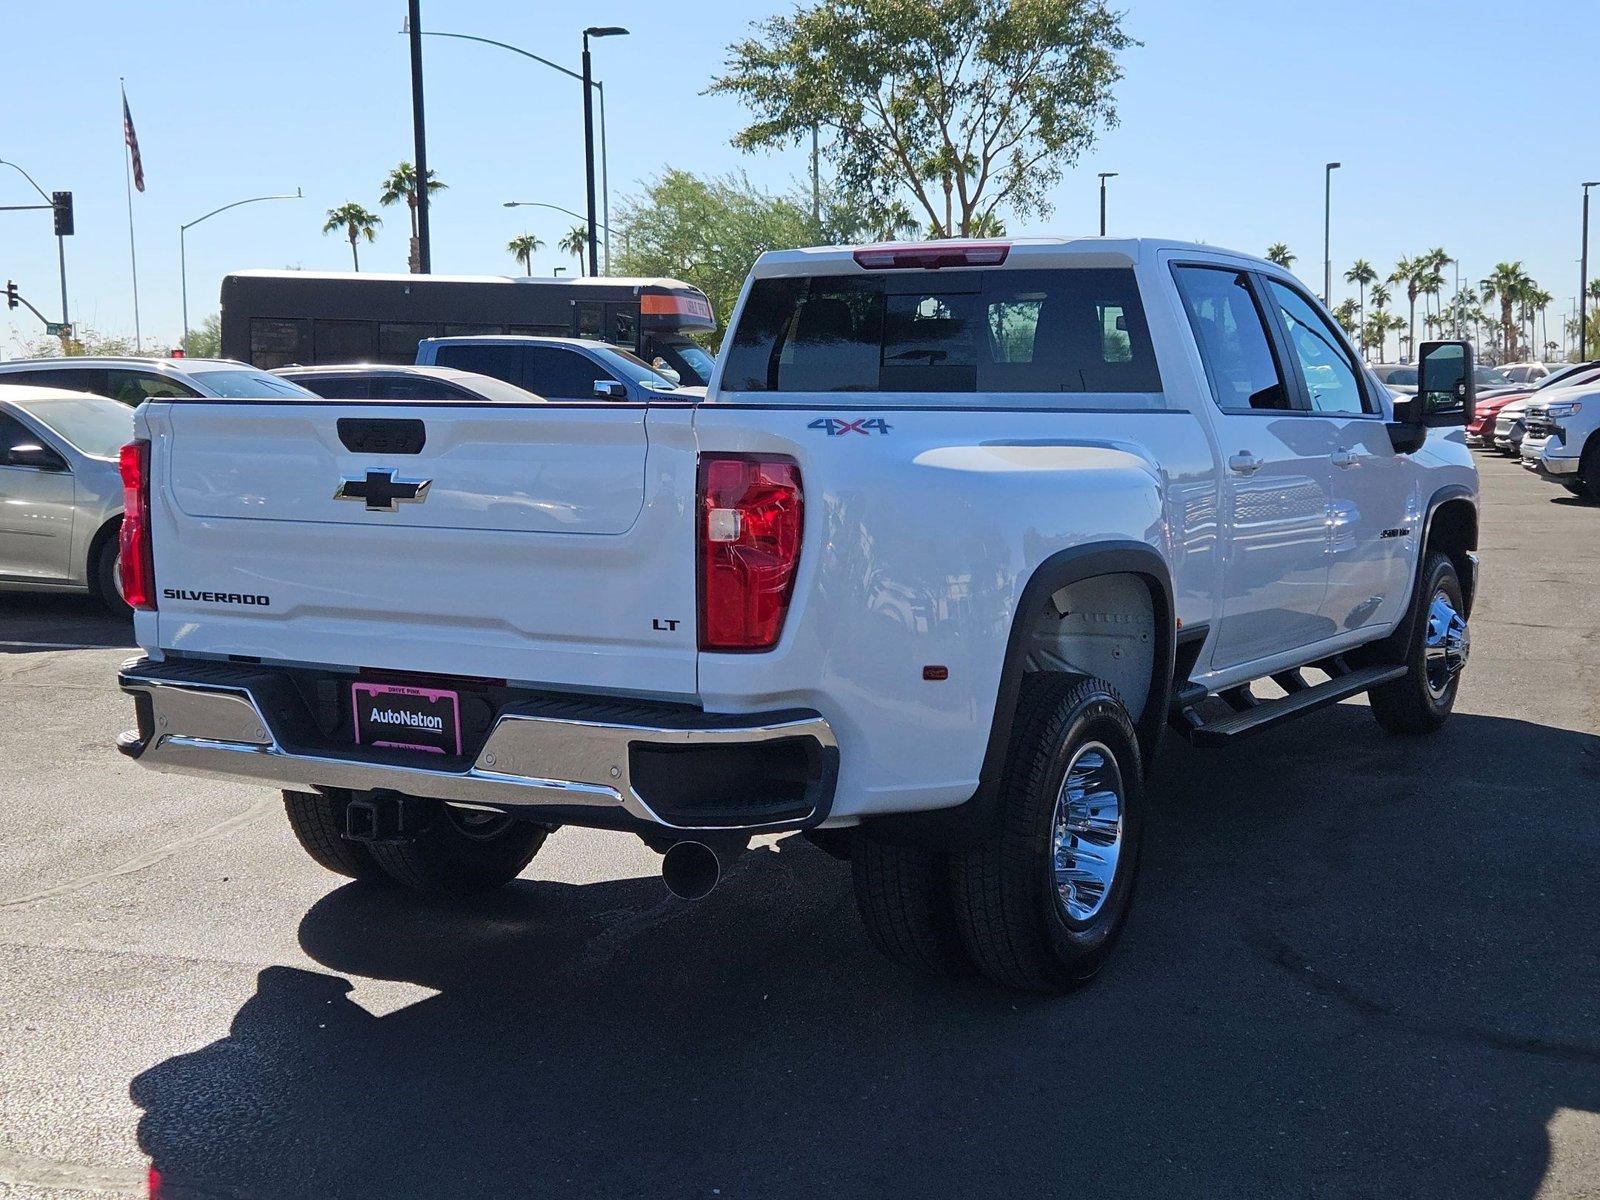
(595, 31)
(61, 241)
(600, 90)
(183, 251)
(1327, 230)
(419, 133)
(1583, 279)
(1104, 175)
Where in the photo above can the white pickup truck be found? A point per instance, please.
(957, 531)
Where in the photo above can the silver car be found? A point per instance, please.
(135, 380)
(61, 490)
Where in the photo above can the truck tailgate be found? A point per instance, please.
(543, 544)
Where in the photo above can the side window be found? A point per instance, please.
(496, 361)
(73, 379)
(418, 388)
(339, 387)
(1232, 336)
(342, 341)
(13, 433)
(397, 341)
(1324, 358)
(279, 343)
(133, 388)
(562, 374)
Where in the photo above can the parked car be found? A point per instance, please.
(363, 381)
(1509, 427)
(561, 369)
(1527, 372)
(61, 492)
(1481, 429)
(1562, 442)
(135, 380)
(954, 536)
(1401, 379)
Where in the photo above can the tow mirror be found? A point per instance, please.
(32, 454)
(610, 389)
(1446, 395)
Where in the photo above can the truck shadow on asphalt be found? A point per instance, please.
(44, 621)
(1359, 965)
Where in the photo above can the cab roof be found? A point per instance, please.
(1021, 253)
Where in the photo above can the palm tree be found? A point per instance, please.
(356, 222)
(1410, 272)
(1506, 283)
(1361, 274)
(401, 184)
(1280, 253)
(576, 243)
(523, 248)
(1433, 264)
(1349, 317)
(1538, 301)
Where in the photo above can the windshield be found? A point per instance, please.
(1489, 377)
(690, 362)
(243, 382)
(98, 428)
(634, 369)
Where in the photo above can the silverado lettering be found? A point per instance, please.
(216, 597)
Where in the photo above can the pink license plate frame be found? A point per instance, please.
(432, 714)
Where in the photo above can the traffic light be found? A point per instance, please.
(11, 294)
(62, 203)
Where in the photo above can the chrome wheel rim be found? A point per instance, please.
(1446, 645)
(1086, 832)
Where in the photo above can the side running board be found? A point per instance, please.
(1253, 715)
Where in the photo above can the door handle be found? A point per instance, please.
(1244, 463)
(1345, 458)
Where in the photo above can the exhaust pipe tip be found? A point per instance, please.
(690, 870)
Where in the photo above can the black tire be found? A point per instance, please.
(904, 897)
(318, 822)
(103, 572)
(1014, 919)
(1589, 470)
(461, 852)
(1411, 704)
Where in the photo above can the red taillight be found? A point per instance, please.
(931, 256)
(750, 522)
(137, 566)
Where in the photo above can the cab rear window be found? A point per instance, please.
(1071, 330)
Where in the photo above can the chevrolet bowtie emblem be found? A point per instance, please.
(382, 491)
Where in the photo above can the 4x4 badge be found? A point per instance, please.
(382, 490)
(838, 427)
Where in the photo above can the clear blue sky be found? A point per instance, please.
(1228, 112)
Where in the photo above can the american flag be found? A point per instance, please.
(132, 139)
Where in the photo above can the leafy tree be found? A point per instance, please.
(961, 105)
(356, 222)
(92, 342)
(1363, 276)
(206, 342)
(1280, 253)
(522, 248)
(708, 231)
(576, 243)
(399, 185)
(1506, 283)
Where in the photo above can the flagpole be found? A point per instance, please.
(133, 253)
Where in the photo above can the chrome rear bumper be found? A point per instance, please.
(212, 719)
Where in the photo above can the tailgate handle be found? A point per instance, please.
(382, 435)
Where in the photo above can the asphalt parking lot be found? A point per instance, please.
(1359, 966)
